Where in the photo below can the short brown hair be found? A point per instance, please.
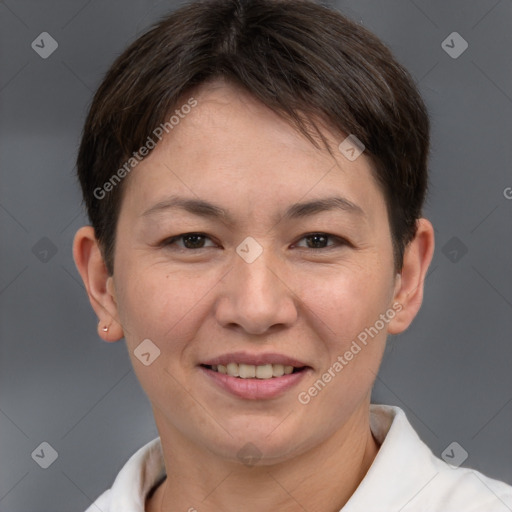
(304, 60)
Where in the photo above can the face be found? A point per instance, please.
(266, 281)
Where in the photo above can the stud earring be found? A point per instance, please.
(105, 328)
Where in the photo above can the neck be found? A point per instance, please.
(321, 479)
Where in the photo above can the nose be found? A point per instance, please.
(257, 297)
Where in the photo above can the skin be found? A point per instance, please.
(304, 301)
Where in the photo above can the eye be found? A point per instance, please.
(190, 241)
(319, 241)
(195, 241)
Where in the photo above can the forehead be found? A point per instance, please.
(230, 146)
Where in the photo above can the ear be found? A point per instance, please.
(409, 285)
(99, 285)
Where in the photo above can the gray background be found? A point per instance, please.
(61, 384)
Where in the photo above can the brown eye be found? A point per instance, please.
(319, 241)
(190, 241)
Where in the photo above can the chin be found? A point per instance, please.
(261, 445)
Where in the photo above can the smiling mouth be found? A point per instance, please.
(250, 371)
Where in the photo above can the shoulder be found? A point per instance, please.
(458, 488)
(407, 476)
(102, 502)
(139, 475)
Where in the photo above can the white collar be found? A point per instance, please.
(143, 471)
(404, 476)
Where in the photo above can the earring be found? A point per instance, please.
(105, 328)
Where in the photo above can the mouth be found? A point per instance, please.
(255, 376)
(251, 371)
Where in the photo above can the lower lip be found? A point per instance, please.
(255, 389)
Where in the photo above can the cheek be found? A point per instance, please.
(161, 305)
(347, 301)
(165, 309)
(345, 311)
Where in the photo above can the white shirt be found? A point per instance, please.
(405, 476)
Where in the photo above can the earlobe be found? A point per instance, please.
(99, 285)
(410, 283)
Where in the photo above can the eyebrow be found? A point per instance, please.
(205, 209)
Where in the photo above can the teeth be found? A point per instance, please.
(233, 369)
(250, 371)
(247, 371)
(278, 370)
(264, 372)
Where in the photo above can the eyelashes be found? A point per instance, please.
(189, 236)
(194, 241)
(338, 241)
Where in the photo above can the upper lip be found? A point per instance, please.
(254, 359)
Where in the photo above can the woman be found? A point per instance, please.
(254, 173)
